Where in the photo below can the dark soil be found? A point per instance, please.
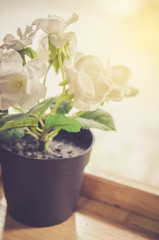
(30, 147)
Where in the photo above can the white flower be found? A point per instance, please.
(42, 52)
(55, 26)
(119, 76)
(19, 85)
(89, 82)
(25, 39)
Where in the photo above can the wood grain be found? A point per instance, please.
(119, 217)
(93, 219)
(121, 192)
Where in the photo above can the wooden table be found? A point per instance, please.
(94, 219)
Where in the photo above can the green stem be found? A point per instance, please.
(53, 134)
(31, 133)
(44, 81)
(18, 109)
(44, 146)
(39, 130)
(75, 115)
(47, 137)
(35, 132)
(60, 65)
(41, 123)
(39, 120)
(59, 100)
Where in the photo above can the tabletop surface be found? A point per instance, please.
(92, 220)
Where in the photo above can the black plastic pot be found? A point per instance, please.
(42, 192)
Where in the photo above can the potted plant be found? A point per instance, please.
(45, 140)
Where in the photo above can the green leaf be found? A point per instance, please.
(53, 51)
(11, 117)
(97, 119)
(40, 109)
(56, 65)
(60, 121)
(28, 51)
(63, 83)
(13, 133)
(20, 122)
(54, 56)
(64, 107)
(66, 50)
(28, 119)
(3, 113)
(62, 57)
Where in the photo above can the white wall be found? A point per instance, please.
(127, 32)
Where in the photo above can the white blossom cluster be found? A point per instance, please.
(89, 79)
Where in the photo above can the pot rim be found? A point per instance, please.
(54, 159)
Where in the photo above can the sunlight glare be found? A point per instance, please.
(119, 8)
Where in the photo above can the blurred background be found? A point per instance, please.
(127, 32)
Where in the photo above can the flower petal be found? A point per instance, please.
(91, 65)
(78, 55)
(12, 89)
(84, 106)
(59, 40)
(120, 74)
(10, 61)
(38, 21)
(52, 25)
(74, 18)
(8, 100)
(20, 85)
(44, 42)
(84, 86)
(28, 30)
(8, 38)
(19, 33)
(116, 94)
(38, 91)
(35, 69)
